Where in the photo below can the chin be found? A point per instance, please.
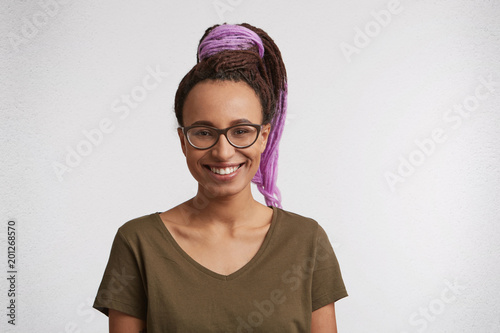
(224, 190)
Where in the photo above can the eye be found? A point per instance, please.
(240, 131)
(202, 132)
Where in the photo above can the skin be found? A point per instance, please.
(120, 322)
(222, 227)
(323, 320)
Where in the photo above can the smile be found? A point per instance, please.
(224, 171)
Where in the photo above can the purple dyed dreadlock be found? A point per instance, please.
(245, 53)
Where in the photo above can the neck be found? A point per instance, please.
(229, 211)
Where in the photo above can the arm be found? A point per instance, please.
(120, 322)
(323, 320)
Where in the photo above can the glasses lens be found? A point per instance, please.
(202, 137)
(242, 135)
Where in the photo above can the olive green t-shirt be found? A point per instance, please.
(149, 276)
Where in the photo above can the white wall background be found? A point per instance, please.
(352, 120)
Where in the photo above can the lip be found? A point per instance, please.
(223, 165)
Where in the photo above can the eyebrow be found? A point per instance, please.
(234, 122)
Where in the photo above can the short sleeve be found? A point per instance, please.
(327, 283)
(122, 286)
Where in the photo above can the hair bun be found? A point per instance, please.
(229, 37)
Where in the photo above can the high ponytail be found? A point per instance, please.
(246, 53)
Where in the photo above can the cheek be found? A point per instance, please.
(192, 157)
(256, 155)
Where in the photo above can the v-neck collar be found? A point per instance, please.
(238, 272)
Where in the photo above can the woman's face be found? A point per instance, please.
(222, 104)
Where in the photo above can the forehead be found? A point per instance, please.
(220, 103)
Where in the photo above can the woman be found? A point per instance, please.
(221, 261)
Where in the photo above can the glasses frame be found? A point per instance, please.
(219, 132)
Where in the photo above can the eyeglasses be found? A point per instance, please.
(238, 136)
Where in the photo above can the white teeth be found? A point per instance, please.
(225, 171)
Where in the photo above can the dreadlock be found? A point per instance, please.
(245, 53)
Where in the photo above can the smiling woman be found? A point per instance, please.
(221, 261)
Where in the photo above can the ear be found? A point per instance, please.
(183, 140)
(264, 135)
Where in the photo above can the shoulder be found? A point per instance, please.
(138, 226)
(294, 219)
(293, 223)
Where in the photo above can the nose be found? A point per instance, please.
(223, 149)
